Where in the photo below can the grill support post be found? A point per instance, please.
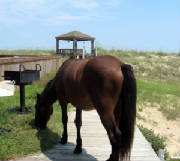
(22, 78)
(22, 97)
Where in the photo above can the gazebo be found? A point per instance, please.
(74, 36)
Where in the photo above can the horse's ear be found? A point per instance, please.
(38, 96)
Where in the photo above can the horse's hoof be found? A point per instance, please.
(63, 141)
(77, 150)
(109, 159)
(112, 159)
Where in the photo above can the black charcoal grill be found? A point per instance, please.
(22, 78)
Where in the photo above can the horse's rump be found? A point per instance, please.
(98, 74)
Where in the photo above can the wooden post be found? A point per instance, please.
(92, 47)
(75, 48)
(57, 46)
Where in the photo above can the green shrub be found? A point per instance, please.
(174, 160)
(157, 141)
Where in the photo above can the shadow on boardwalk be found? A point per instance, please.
(60, 152)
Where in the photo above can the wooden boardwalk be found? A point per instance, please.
(96, 146)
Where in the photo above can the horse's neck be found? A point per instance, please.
(49, 93)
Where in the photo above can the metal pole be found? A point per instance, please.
(83, 54)
(22, 97)
(161, 154)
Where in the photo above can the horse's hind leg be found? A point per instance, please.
(64, 121)
(78, 123)
(105, 109)
(114, 134)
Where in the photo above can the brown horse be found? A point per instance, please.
(103, 83)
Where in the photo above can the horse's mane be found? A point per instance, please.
(48, 96)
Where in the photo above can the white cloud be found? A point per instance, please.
(112, 3)
(18, 11)
(27, 4)
(84, 4)
(23, 11)
(71, 17)
(66, 19)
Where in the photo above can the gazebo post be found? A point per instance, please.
(92, 47)
(75, 47)
(57, 46)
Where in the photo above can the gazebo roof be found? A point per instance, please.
(75, 35)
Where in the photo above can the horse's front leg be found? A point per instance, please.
(64, 121)
(78, 123)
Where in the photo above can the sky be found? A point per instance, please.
(144, 25)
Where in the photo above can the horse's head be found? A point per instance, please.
(43, 112)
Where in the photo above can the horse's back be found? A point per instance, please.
(105, 60)
(72, 88)
(103, 68)
(103, 78)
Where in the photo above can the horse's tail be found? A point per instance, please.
(127, 106)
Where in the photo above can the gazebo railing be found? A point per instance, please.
(64, 52)
(79, 52)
